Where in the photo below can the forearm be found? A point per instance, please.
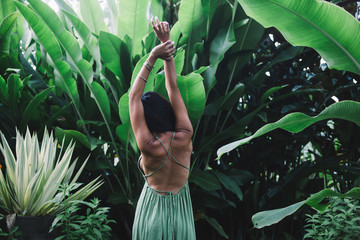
(138, 86)
(170, 75)
(182, 119)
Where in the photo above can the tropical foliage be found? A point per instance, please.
(339, 221)
(71, 70)
(34, 173)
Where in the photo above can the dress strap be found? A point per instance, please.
(167, 157)
(168, 151)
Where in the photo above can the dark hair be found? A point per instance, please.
(159, 114)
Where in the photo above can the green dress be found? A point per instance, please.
(164, 217)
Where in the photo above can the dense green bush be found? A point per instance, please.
(341, 220)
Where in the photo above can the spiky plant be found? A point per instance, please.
(33, 175)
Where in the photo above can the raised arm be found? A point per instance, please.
(183, 124)
(142, 134)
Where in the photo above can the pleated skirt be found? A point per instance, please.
(164, 217)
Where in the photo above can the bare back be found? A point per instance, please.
(167, 171)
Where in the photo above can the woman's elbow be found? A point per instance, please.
(133, 96)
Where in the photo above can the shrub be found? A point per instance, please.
(341, 220)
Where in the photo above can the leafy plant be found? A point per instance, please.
(12, 234)
(33, 173)
(339, 221)
(73, 226)
(300, 24)
(267, 218)
(296, 122)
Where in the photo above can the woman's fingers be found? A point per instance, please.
(154, 26)
(158, 25)
(169, 44)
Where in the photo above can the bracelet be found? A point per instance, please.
(148, 65)
(142, 78)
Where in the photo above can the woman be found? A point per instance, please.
(163, 133)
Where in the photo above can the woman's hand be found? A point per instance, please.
(161, 29)
(165, 51)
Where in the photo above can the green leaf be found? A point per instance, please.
(65, 38)
(3, 90)
(126, 135)
(6, 26)
(110, 52)
(267, 218)
(72, 135)
(285, 55)
(229, 184)
(219, 46)
(269, 92)
(114, 14)
(65, 6)
(215, 224)
(179, 61)
(209, 8)
(192, 91)
(93, 16)
(312, 24)
(205, 180)
(46, 38)
(124, 113)
(14, 89)
(133, 22)
(102, 100)
(191, 23)
(210, 199)
(71, 46)
(226, 102)
(6, 7)
(32, 106)
(296, 122)
(89, 40)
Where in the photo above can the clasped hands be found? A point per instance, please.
(166, 49)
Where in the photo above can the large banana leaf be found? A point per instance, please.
(133, 22)
(6, 26)
(114, 14)
(65, 6)
(6, 7)
(64, 37)
(89, 40)
(49, 42)
(267, 218)
(219, 46)
(110, 47)
(209, 8)
(71, 46)
(296, 122)
(191, 22)
(193, 92)
(327, 28)
(93, 16)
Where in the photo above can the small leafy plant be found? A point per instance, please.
(74, 226)
(10, 234)
(341, 220)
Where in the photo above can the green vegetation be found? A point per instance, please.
(247, 70)
(339, 221)
(93, 224)
(29, 187)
